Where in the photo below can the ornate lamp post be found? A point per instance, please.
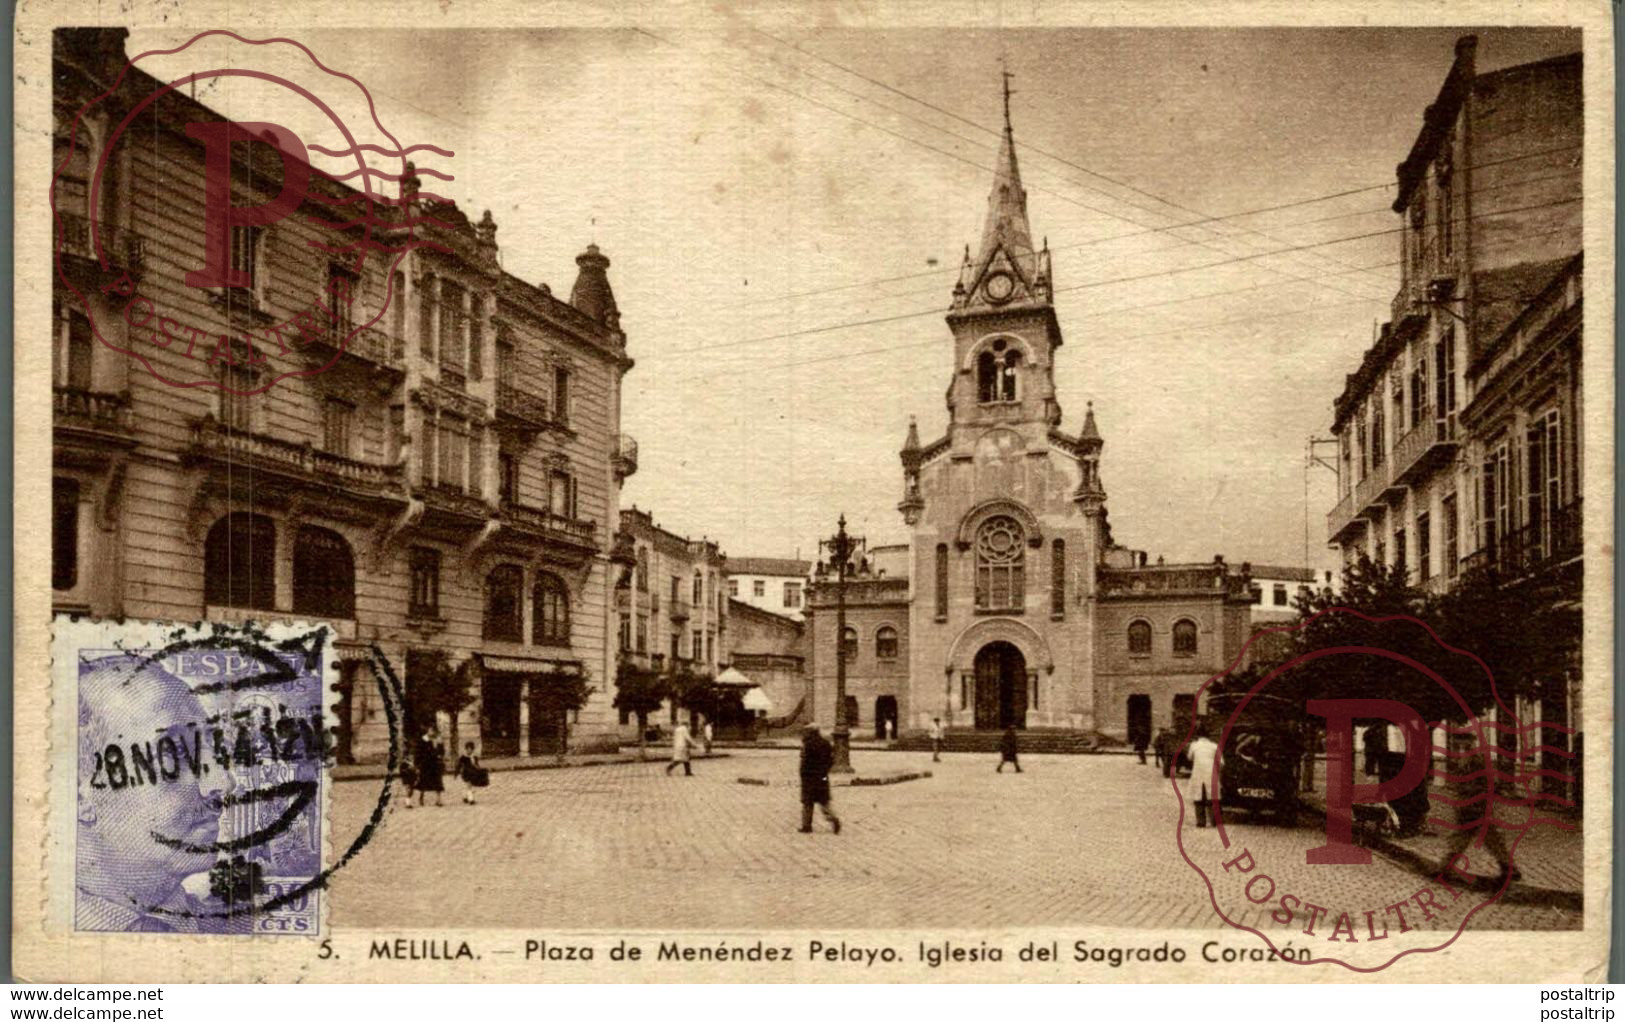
(841, 546)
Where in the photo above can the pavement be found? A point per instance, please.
(1074, 840)
(1550, 855)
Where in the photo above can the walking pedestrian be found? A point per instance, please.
(1008, 748)
(471, 773)
(936, 739)
(431, 763)
(1202, 788)
(709, 734)
(1476, 783)
(1162, 747)
(817, 756)
(1141, 740)
(682, 747)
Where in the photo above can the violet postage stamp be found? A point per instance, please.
(1062, 492)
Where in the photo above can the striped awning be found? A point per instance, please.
(528, 665)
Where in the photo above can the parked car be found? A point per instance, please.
(1261, 758)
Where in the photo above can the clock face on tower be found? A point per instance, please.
(999, 286)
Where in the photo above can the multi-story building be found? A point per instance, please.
(778, 584)
(770, 649)
(442, 484)
(1011, 605)
(671, 604)
(1460, 433)
(1274, 590)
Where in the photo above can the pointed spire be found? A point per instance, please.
(1007, 237)
(913, 441)
(1090, 433)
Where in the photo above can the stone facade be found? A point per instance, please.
(1460, 433)
(671, 604)
(771, 650)
(445, 491)
(1014, 606)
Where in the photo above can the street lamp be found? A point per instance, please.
(841, 546)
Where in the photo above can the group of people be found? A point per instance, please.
(427, 771)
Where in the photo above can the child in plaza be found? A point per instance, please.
(471, 773)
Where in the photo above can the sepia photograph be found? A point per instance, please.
(1071, 499)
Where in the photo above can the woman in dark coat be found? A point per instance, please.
(431, 764)
(817, 756)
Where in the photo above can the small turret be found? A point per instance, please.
(912, 503)
(1090, 494)
(592, 294)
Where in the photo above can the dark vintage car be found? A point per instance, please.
(1261, 759)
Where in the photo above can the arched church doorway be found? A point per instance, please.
(1001, 687)
(885, 716)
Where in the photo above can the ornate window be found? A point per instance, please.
(886, 643)
(1184, 638)
(503, 620)
(849, 643)
(1139, 638)
(1000, 561)
(942, 580)
(550, 611)
(996, 373)
(239, 562)
(323, 573)
(1057, 578)
(425, 596)
(643, 569)
(64, 533)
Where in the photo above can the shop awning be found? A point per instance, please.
(732, 678)
(756, 700)
(528, 665)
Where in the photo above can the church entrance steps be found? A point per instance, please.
(1030, 740)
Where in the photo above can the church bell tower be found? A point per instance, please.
(1003, 314)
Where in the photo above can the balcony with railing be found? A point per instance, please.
(1533, 548)
(1342, 519)
(125, 250)
(1431, 441)
(366, 343)
(92, 411)
(522, 407)
(679, 609)
(240, 450)
(551, 527)
(1368, 491)
(1173, 580)
(626, 455)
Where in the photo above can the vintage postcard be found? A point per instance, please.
(1031, 492)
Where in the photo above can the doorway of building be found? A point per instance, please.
(1184, 714)
(1139, 721)
(1001, 687)
(548, 719)
(499, 714)
(885, 716)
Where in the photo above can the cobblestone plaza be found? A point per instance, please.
(1074, 840)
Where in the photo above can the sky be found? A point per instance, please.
(785, 213)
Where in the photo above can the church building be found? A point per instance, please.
(1016, 608)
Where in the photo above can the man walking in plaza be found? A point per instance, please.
(817, 756)
(1008, 747)
(936, 739)
(682, 748)
(1476, 783)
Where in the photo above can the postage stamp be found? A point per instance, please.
(1088, 493)
(201, 783)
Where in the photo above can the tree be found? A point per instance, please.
(639, 691)
(561, 690)
(694, 691)
(434, 687)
